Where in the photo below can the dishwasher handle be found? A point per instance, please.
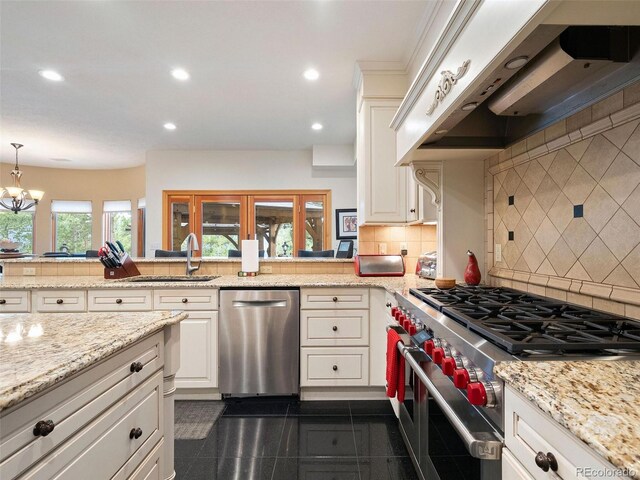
(259, 303)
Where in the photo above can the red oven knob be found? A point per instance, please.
(393, 311)
(412, 329)
(477, 394)
(461, 378)
(448, 366)
(428, 347)
(405, 324)
(438, 355)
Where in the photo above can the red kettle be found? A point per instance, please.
(472, 272)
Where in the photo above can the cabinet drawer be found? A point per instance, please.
(529, 431)
(125, 300)
(61, 300)
(151, 468)
(105, 445)
(74, 404)
(334, 298)
(185, 299)
(511, 468)
(334, 367)
(14, 301)
(334, 327)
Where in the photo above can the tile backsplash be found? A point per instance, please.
(572, 214)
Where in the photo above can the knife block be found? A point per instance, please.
(128, 269)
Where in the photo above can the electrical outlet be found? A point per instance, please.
(498, 252)
(266, 269)
(382, 248)
(29, 271)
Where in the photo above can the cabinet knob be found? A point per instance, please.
(136, 367)
(2, 301)
(135, 433)
(335, 328)
(43, 428)
(185, 300)
(118, 301)
(388, 304)
(335, 368)
(546, 462)
(335, 299)
(59, 301)
(413, 210)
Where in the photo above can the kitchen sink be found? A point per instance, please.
(170, 278)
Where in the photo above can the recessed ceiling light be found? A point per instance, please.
(180, 74)
(51, 75)
(170, 126)
(311, 74)
(516, 62)
(469, 106)
(317, 126)
(441, 132)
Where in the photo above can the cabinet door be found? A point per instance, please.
(413, 197)
(382, 186)
(512, 469)
(198, 351)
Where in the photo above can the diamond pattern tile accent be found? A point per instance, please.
(511, 182)
(577, 149)
(598, 156)
(547, 235)
(619, 135)
(622, 177)
(598, 260)
(510, 254)
(535, 174)
(621, 234)
(547, 193)
(546, 269)
(547, 160)
(533, 255)
(501, 202)
(521, 265)
(561, 212)
(561, 257)
(632, 264)
(523, 198)
(522, 235)
(522, 169)
(562, 167)
(599, 208)
(621, 277)
(500, 176)
(511, 218)
(578, 235)
(578, 272)
(579, 186)
(632, 205)
(501, 234)
(533, 215)
(632, 146)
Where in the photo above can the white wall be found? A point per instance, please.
(239, 170)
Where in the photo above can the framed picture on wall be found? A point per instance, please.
(346, 223)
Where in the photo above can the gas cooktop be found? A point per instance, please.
(520, 322)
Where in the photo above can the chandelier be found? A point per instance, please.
(20, 199)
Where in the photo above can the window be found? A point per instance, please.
(117, 222)
(18, 227)
(142, 204)
(283, 221)
(71, 225)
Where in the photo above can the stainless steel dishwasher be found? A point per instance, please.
(259, 342)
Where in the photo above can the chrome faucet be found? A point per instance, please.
(192, 243)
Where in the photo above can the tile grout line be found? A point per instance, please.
(355, 444)
(286, 416)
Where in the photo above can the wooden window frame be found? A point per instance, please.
(195, 198)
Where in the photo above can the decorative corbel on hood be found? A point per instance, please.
(429, 175)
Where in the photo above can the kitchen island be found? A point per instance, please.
(95, 387)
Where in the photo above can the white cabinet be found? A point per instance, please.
(61, 300)
(124, 300)
(529, 431)
(334, 367)
(198, 351)
(14, 301)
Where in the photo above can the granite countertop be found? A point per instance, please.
(392, 284)
(597, 401)
(39, 350)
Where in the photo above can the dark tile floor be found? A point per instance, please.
(282, 439)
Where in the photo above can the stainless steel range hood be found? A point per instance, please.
(566, 69)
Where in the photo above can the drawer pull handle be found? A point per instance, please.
(136, 367)
(413, 210)
(185, 300)
(43, 428)
(335, 299)
(335, 328)
(546, 462)
(118, 301)
(135, 433)
(335, 368)
(388, 304)
(2, 301)
(59, 301)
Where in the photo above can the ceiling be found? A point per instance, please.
(246, 61)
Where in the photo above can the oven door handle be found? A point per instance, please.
(485, 445)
